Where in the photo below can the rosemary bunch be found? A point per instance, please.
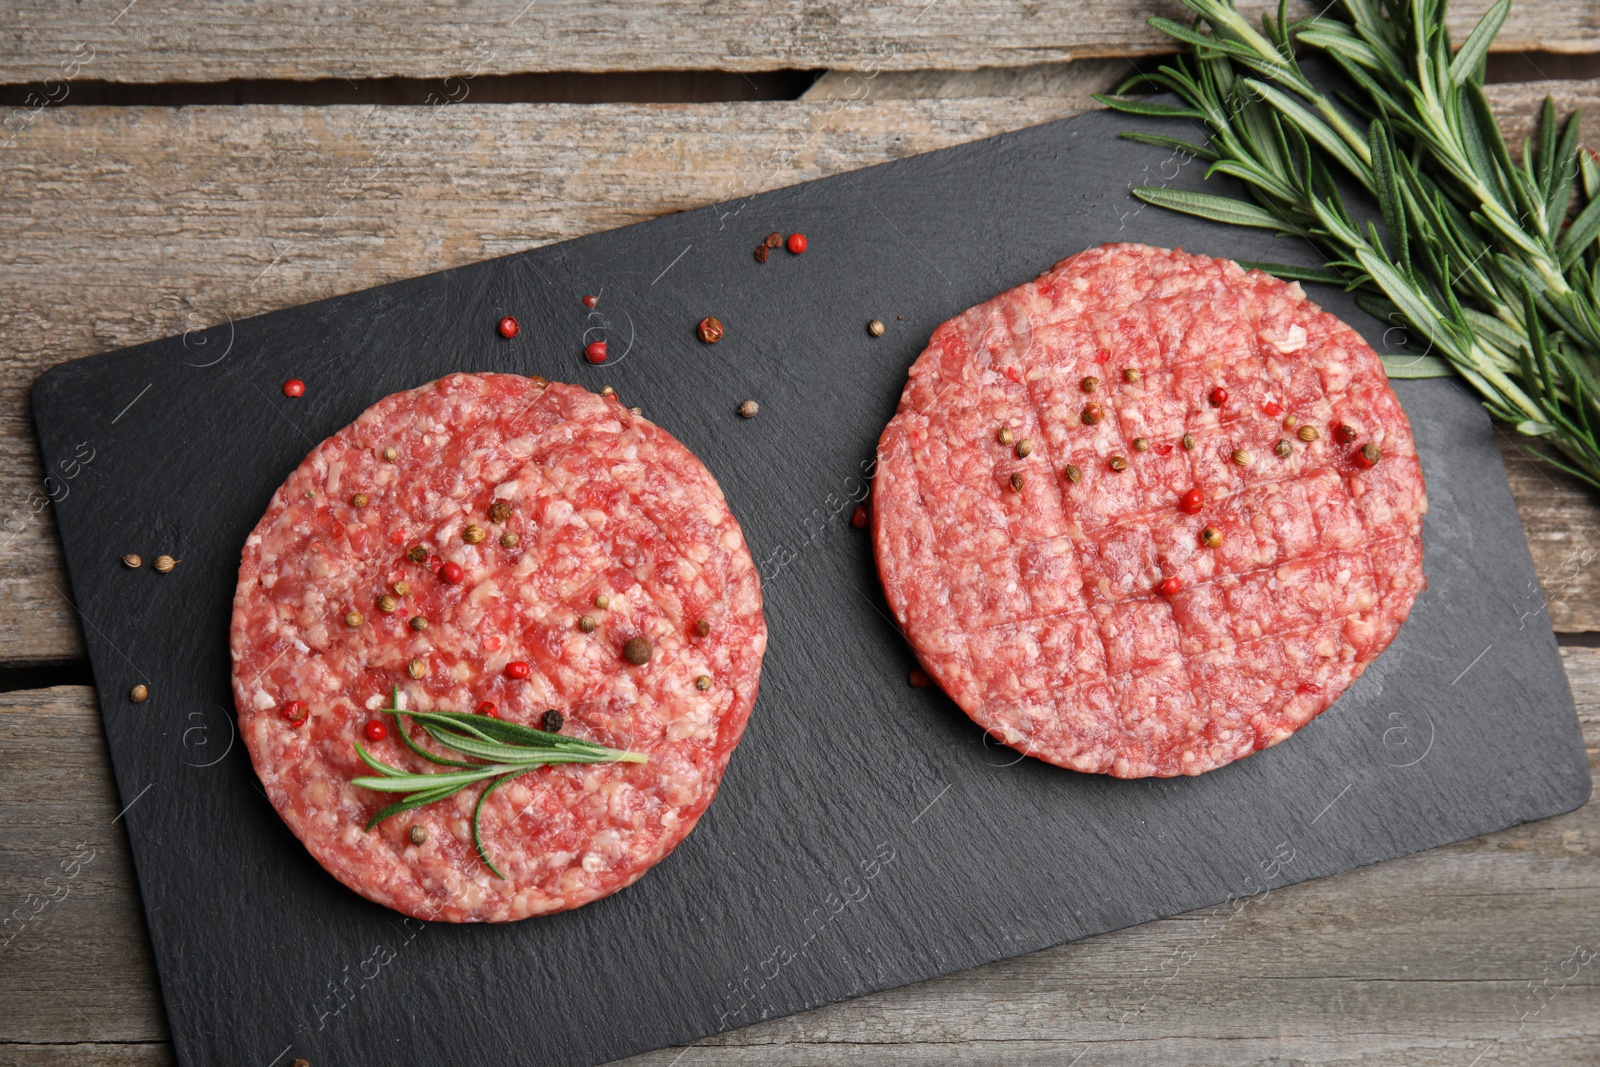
(506, 750)
(1479, 254)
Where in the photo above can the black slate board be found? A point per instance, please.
(867, 835)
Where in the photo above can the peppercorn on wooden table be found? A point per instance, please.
(130, 223)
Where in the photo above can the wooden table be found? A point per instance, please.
(125, 224)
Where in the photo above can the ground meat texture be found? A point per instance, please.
(1040, 610)
(601, 502)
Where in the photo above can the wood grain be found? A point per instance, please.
(1436, 958)
(127, 225)
(214, 40)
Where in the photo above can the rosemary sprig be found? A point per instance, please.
(498, 751)
(1496, 264)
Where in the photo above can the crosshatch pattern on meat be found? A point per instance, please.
(1029, 525)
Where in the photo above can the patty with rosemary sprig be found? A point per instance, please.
(493, 645)
(1148, 513)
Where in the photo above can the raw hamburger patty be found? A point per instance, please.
(601, 502)
(1077, 613)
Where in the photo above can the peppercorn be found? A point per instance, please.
(701, 628)
(473, 535)
(1218, 397)
(761, 253)
(749, 409)
(1093, 414)
(552, 721)
(508, 327)
(709, 330)
(1118, 463)
(1241, 457)
(773, 239)
(1074, 473)
(606, 390)
(637, 651)
(1307, 433)
(1016, 482)
(359, 500)
(509, 540)
(1004, 435)
(1141, 445)
(418, 834)
(132, 561)
(595, 351)
(376, 730)
(1089, 384)
(1211, 537)
(417, 668)
(637, 410)
(402, 588)
(453, 573)
(1170, 586)
(139, 694)
(164, 564)
(419, 623)
(1283, 448)
(1130, 374)
(1369, 455)
(1345, 433)
(796, 243)
(518, 669)
(1187, 442)
(602, 601)
(499, 511)
(1191, 502)
(391, 454)
(354, 618)
(586, 624)
(294, 387)
(1024, 448)
(875, 328)
(418, 554)
(387, 603)
(1291, 421)
(295, 713)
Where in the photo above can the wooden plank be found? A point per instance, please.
(127, 225)
(1429, 959)
(214, 40)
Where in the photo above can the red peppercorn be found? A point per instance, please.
(294, 387)
(488, 708)
(1191, 502)
(796, 243)
(1272, 409)
(919, 678)
(1103, 357)
(859, 519)
(509, 327)
(590, 300)
(595, 352)
(375, 730)
(1367, 456)
(452, 573)
(518, 669)
(1170, 586)
(295, 712)
(1218, 397)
